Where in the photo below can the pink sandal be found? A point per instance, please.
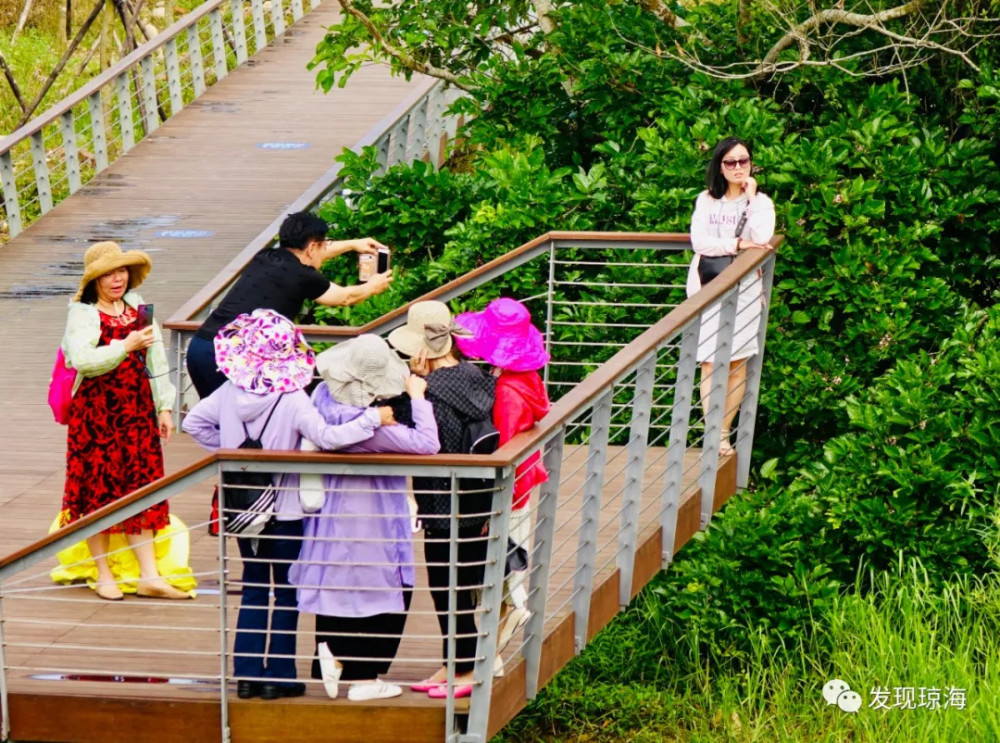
(426, 685)
(441, 692)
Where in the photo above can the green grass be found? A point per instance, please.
(900, 635)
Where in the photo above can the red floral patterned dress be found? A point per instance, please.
(113, 444)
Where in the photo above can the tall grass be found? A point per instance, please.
(898, 633)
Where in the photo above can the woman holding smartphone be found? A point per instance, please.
(730, 215)
(121, 410)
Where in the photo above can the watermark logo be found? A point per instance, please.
(839, 692)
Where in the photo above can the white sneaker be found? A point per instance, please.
(377, 690)
(515, 619)
(330, 669)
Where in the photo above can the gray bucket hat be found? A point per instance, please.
(362, 370)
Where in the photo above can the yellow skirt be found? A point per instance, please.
(171, 548)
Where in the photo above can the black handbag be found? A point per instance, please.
(710, 266)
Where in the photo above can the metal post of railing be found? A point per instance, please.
(97, 131)
(449, 706)
(125, 111)
(259, 26)
(172, 62)
(223, 619)
(67, 126)
(239, 31)
(41, 171)
(418, 123)
(432, 130)
(4, 701)
(382, 149)
(196, 61)
(712, 437)
(400, 134)
(550, 296)
(218, 44)
(149, 94)
(278, 17)
(680, 421)
(593, 487)
(635, 468)
(10, 197)
(296, 9)
(492, 597)
(541, 562)
(755, 365)
(178, 338)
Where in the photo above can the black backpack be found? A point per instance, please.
(248, 497)
(478, 437)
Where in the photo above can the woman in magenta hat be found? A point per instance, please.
(503, 336)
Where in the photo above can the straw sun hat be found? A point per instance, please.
(105, 257)
(362, 370)
(429, 328)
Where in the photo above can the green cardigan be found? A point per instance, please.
(82, 352)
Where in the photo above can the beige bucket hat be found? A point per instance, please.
(429, 328)
(105, 257)
(362, 370)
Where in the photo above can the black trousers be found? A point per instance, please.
(344, 635)
(471, 556)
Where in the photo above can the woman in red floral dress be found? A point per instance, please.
(119, 412)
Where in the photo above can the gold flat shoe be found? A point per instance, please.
(109, 592)
(166, 591)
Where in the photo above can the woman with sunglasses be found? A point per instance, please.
(730, 215)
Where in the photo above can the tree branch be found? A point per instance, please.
(662, 12)
(9, 74)
(405, 59)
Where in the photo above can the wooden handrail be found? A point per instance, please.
(108, 76)
(180, 320)
(518, 447)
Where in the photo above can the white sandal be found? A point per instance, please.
(330, 669)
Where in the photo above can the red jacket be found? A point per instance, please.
(521, 401)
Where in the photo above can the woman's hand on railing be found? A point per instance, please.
(751, 245)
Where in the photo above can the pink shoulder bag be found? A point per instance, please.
(61, 389)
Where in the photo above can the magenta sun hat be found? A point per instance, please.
(503, 336)
(264, 352)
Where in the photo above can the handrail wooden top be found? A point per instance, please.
(181, 319)
(514, 450)
(108, 76)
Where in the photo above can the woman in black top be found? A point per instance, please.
(281, 279)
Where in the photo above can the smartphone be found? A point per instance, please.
(145, 313)
(383, 260)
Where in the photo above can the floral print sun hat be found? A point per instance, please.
(263, 352)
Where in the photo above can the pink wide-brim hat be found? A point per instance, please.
(264, 352)
(502, 335)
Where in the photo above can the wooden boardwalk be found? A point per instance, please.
(202, 170)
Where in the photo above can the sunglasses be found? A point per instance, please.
(731, 164)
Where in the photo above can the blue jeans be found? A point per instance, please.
(205, 375)
(282, 548)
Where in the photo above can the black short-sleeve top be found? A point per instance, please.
(275, 279)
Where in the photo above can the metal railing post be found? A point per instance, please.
(550, 295)
(296, 9)
(223, 619)
(400, 134)
(418, 123)
(590, 515)
(755, 364)
(97, 132)
(680, 421)
(196, 61)
(41, 171)
(635, 468)
(449, 705)
(67, 125)
(717, 403)
(239, 31)
(125, 111)
(382, 148)
(432, 140)
(10, 196)
(259, 26)
(541, 562)
(4, 701)
(278, 16)
(492, 597)
(172, 63)
(218, 44)
(178, 337)
(149, 94)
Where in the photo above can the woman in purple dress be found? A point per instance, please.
(355, 571)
